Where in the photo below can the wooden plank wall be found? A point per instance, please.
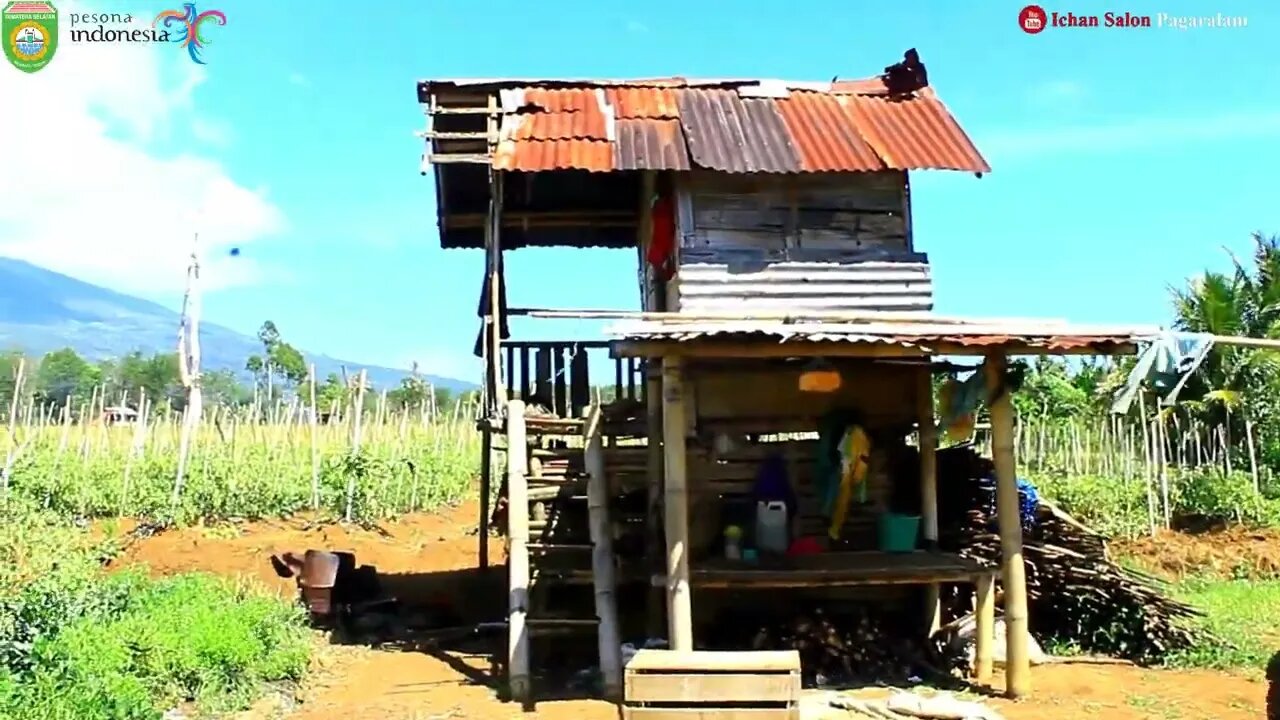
(807, 242)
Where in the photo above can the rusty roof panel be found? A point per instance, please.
(643, 102)
(730, 134)
(590, 125)
(914, 133)
(650, 145)
(823, 135)
(561, 99)
(539, 155)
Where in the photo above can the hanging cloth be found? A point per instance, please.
(827, 463)
(662, 244)
(504, 331)
(855, 456)
(1167, 363)
(958, 406)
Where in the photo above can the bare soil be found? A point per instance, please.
(435, 556)
(1228, 553)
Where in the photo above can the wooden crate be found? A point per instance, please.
(702, 685)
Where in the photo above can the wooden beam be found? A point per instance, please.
(928, 441)
(771, 348)
(486, 485)
(676, 506)
(518, 678)
(1014, 571)
(656, 609)
(888, 316)
(602, 559)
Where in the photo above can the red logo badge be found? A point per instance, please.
(1033, 19)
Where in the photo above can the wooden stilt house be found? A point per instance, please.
(771, 224)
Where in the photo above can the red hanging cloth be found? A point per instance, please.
(662, 245)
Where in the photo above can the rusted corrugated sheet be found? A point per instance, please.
(823, 136)
(806, 287)
(536, 155)
(643, 102)
(588, 125)
(561, 100)
(915, 133)
(650, 145)
(728, 133)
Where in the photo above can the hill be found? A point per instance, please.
(42, 310)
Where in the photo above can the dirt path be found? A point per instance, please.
(427, 553)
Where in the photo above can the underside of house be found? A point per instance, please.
(770, 435)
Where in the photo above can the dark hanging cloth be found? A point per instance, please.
(504, 331)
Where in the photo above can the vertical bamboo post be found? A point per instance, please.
(315, 443)
(1017, 660)
(676, 505)
(984, 634)
(928, 441)
(517, 553)
(1253, 456)
(656, 609)
(1148, 473)
(602, 563)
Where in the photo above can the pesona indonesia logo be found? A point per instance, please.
(190, 25)
(185, 27)
(30, 32)
(1034, 19)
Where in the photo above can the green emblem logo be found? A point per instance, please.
(30, 30)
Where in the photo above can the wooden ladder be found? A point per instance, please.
(462, 133)
(536, 478)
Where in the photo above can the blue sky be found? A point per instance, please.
(1123, 160)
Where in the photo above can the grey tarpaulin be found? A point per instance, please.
(1167, 363)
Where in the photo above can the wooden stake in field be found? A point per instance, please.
(11, 455)
(315, 450)
(189, 364)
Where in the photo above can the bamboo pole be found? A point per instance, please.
(928, 443)
(1253, 456)
(11, 454)
(1014, 572)
(315, 447)
(984, 635)
(676, 506)
(517, 553)
(654, 543)
(189, 366)
(602, 560)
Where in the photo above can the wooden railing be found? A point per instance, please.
(556, 374)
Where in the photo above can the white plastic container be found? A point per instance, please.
(772, 534)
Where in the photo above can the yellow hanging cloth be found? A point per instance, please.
(961, 427)
(855, 450)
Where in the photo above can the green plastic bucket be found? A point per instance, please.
(898, 533)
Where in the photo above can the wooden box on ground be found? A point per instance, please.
(702, 685)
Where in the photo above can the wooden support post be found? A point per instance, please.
(928, 439)
(517, 553)
(656, 610)
(1014, 571)
(676, 506)
(486, 486)
(984, 633)
(602, 564)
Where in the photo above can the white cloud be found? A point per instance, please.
(299, 79)
(85, 190)
(1131, 134)
(211, 132)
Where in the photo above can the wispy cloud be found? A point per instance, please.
(211, 132)
(1130, 134)
(635, 26)
(298, 79)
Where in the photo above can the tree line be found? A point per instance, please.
(64, 378)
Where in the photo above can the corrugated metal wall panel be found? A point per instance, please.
(806, 286)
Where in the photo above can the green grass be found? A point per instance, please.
(1242, 614)
(79, 644)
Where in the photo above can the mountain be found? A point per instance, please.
(41, 310)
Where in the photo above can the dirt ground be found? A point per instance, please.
(1232, 552)
(428, 553)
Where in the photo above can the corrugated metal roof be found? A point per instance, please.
(650, 145)
(823, 136)
(736, 126)
(914, 133)
(919, 335)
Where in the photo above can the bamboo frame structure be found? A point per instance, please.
(518, 655)
(676, 506)
(1014, 571)
(928, 440)
(602, 568)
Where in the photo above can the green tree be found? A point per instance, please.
(64, 377)
(279, 363)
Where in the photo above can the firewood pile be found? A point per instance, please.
(1076, 593)
(857, 644)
